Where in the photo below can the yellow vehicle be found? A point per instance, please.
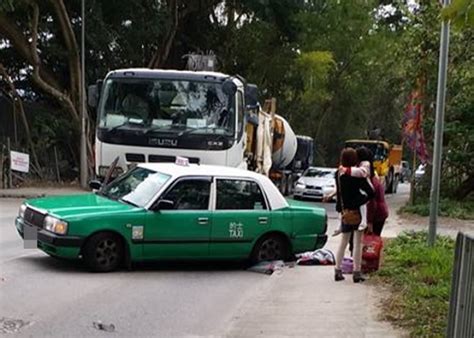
(387, 160)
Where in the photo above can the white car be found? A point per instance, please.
(316, 183)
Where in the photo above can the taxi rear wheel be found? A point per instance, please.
(270, 248)
(104, 252)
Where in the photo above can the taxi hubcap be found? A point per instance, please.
(106, 252)
(270, 250)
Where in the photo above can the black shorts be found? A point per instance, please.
(348, 228)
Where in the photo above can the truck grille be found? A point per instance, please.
(164, 158)
(130, 157)
(34, 217)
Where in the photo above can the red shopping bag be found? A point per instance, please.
(371, 251)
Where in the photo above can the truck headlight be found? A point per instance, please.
(55, 225)
(21, 211)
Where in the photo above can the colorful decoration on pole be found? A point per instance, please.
(412, 127)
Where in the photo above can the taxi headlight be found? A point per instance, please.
(21, 211)
(55, 225)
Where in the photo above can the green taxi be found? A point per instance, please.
(160, 211)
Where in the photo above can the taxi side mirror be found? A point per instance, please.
(164, 205)
(95, 185)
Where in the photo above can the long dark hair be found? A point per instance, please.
(364, 154)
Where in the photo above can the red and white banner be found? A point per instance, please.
(412, 127)
(19, 161)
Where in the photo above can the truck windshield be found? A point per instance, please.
(167, 105)
(378, 150)
(137, 187)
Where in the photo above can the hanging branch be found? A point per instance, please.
(9, 30)
(72, 48)
(161, 55)
(63, 99)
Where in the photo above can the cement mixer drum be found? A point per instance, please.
(284, 143)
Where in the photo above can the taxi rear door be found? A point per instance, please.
(240, 216)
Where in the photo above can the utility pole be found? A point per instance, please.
(439, 128)
(84, 167)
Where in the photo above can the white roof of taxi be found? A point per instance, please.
(275, 198)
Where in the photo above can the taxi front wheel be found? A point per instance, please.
(270, 248)
(103, 252)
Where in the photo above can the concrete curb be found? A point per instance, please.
(27, 193)
(25, 196)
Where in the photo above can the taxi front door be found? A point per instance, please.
(179, 227)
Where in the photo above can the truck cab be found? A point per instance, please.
(152, 115)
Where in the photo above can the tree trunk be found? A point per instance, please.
(72, 48)
(27, 48)
(161, 55)
(10, 31)
(18, 103)
(466, 187)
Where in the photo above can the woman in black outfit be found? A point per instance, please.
(349, 191)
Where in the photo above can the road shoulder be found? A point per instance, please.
(305, 301)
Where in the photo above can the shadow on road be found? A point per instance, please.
(77, 266)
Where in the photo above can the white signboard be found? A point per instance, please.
(19, 161)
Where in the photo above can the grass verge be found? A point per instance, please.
(419, 278)
(447, 207)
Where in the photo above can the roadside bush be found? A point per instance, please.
(447, 207)
(420, 280)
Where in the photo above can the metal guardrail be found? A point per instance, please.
(461, 304)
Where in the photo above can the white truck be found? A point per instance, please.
(151, 115)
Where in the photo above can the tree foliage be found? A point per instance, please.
(337, 68)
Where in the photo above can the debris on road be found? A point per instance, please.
(9, 325)
(268, 267)
(103, 327)
(317, 257)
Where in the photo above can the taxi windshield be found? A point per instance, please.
(137, 187)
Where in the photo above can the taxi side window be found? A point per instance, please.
(239, 195)
(190, 195)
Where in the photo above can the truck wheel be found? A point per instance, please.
(270, 248)
(103, 252)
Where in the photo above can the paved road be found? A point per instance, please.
(62, 298)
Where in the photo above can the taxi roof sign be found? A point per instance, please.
(183, 161)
